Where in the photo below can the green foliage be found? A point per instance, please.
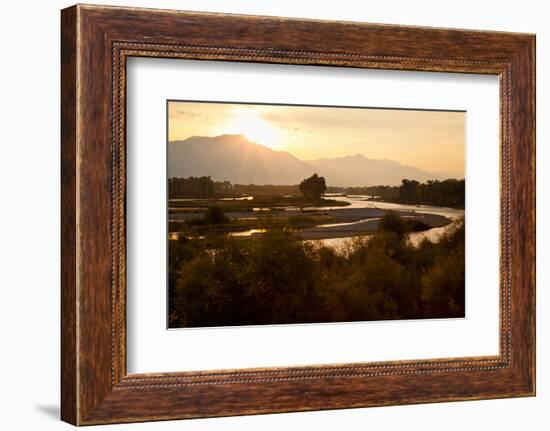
(449, 193)
(266, 202)
(391, 222)
(300, 220)
(277, 278)
(192, 186)
(443, 283)
(215, 215)
(313, 187)
(416, 225)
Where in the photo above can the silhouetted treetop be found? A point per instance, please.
(313, 187)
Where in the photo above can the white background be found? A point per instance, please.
(151, 348)
(29, 219)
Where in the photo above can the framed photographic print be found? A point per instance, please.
(348, 234)
(287, 215)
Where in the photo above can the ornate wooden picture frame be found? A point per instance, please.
(96, 41)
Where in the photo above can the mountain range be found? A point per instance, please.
(237, 159)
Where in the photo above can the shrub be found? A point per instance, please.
(215, 215)
(278, 278)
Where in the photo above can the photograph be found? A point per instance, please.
(295, 214)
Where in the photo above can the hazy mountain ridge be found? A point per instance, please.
(372, 171)
(236, 159)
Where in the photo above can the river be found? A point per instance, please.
(358, 202)
(361, 201)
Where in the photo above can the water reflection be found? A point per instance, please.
(249, 232)
(355, 202)
(364, 201)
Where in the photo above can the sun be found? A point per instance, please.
(255, 128)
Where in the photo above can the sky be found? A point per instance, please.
(430, 140)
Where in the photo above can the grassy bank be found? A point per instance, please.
(201, 226)
(262, 202)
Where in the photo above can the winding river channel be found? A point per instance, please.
(363, 202)
(360, 217)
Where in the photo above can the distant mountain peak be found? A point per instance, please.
(232, 136)
(223, 137)
(236, 158)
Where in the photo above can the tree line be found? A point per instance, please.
(204, 187)
(223, 281)
(449, 193)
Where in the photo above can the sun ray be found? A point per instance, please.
(255, 128)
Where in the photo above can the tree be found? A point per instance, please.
(215, 215)
(409, 190)
(443, 293)
(192, 186)
(313, 187)
(392, 222)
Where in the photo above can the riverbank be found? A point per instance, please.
(330, 223)
(177, 206)
(366, 225)
(418, 204)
